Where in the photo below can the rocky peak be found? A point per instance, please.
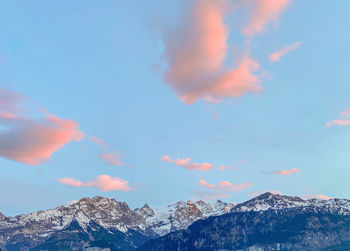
(146, 211)
(2, 217)
(270, 201)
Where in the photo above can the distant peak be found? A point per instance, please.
(146, 206)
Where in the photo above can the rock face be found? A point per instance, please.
(267, 222)
(100, 223)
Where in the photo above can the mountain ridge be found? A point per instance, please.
(35, 228)
(112, 224)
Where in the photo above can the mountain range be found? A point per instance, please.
(266, 222)
(98, 222)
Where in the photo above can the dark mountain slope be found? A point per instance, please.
(301, 228)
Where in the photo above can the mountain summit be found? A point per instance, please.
(100, 219)
(101, 223)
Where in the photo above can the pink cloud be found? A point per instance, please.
(284, 172)
(345, 113)
(97, 141)
(112, 158)
(102, 182)
(264, 12)
(225, 186)
(276, 56)
(195, 52)
(343, 121)
(222, 168)
(185, 163)
(316, 196)
(234, 167)
(32, 141)
(339, 122)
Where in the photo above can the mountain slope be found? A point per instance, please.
(267, 222)
(100, 220)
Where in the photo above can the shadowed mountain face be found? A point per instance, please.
(92, 224)
(285, 229)
(267, 222)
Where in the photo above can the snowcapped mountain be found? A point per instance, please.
(268, 201)
(267, 222)
(34, 229)
(181, 214)
(98, 222)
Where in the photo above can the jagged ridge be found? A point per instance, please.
(35, 228)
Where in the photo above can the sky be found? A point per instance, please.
(159, 101)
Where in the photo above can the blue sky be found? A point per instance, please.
(92, 62)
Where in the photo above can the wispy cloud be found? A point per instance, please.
(32, 141)
(185, 163)
(284, 172)
(225, 186)
(98, 141)
(102, 182)
(276, 56)
(232, 167)
(264, 12)
(112, 158)
(344, 119)
(316, 196)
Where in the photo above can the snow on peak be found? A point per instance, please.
(269, 200)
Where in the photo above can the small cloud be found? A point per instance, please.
(343, 121)
(284, 172)
(222, 168)
(234, 167)
(102, 182)
(225, 186)
(185, 163)
(97, 141)
(316, 196)
(276, 56)
(73, 202)
(111, 158)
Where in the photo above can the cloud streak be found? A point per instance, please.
(112, 158)
(316, 196)
(104, 183)
(32, 141)
(185, 163)
(344, 119)
(98, 141)
(225, 186)
(276, 56)
(284, 172)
